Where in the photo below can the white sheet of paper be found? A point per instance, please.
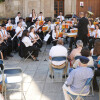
(46, 37)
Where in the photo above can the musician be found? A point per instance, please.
(33, 15)
(55, 34)
(96, 35)
(41, 17)
(38, 31)
(17, 18)
(49, 31)
(23, 22)
(30, 45)
(61, 17)
(7, 40)
(82, 29)
(10, 28)
(35, 37)
(19, 30)
(3, 46)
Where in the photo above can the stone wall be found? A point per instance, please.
(9, 8)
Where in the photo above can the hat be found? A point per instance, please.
(84, 60)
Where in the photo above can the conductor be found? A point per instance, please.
(82, 28)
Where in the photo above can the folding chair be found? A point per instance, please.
(55, 67)
(80, 96)
(13, 76)
(24, 53)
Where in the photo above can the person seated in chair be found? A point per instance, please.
(56, 51)
(77, 79)
(29, 45)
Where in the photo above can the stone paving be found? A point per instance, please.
(37, 84)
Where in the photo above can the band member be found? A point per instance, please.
(3, 46)
(41, 17)
(33, 15)
(55, 35)
(10, 28)
(38, 30)
(23, 22)
(17, 18)
(29, 45)
(7, 40)
(35, 38)
(96, 35)
(19, 30)
(61, 17)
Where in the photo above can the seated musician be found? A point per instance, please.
(61, 17)
(57, 21)
(3, 46)
(10, 28)
(58, 50)
(19, 30)
(49, 31)
(35, 37)
(76, 80)
(33, 15)
(30, 45)
(55, 34)
(41, 17)
(17, 18)
(7, 40)
(23, 23)
(96, 35)
(38, 30)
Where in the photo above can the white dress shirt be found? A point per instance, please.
(16, 20)
(33, 36)
(4, 32)
(26, 40)
(61, 17)
(58, 50)
(98, 33)
(54, 34)
(40, 18)
(18, 29)
(8, 25)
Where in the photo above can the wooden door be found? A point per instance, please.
(58, 7)
(89, 5)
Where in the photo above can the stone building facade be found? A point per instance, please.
(9, 8)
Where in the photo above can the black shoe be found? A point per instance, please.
(10, 55)
(51, 76)
(36, 59)
(64, 76)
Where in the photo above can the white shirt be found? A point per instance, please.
(24, 24)
(18, 29)
(33, 36)
(91, 33)
(58, 50)
(54, 34)
(98, 33)
(16, 19)
(33, 17)
(61, 17)
(26, 40)
(40, 18)
(8, 25)
(4, 32)
(1, 36)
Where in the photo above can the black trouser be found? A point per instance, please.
(84, 39)
(72, 40)
(3, 48)
(91, 42)
(41, 35)
(34, 49)
(54, 42)
(95, 84)
(12, 33)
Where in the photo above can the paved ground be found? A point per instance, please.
(37, 84)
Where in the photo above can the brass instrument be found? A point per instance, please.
(90, 13)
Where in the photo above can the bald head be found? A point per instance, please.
(81, 14)
(60, 41)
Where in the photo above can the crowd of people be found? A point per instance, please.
(86, 45)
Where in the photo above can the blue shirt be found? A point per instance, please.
(77, 79)
(99, 62)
